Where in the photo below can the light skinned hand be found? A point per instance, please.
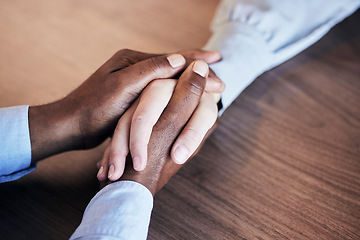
(184, 101)
(135, 127)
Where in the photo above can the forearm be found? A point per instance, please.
(53, 129)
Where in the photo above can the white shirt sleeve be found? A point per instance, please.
(15, 146)
(254, 36)
(121, 210)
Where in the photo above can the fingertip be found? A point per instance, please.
(180, 154)
(202, 68)
(176, 60)
(115, 173)
(208, 56)
(138, 151)
(111, 171)
(214, 85)
(215, 56)
(100, 175)
(116, 163)
(98, 164)
(101, 170)
(138, 163)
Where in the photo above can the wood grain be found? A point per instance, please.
(284, 162)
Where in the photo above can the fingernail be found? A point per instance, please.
(137, 163)
(201, 68)
(111, 171)
(181, 154)
(100, 171)
(176, 60)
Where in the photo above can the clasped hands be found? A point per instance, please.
(161, 107)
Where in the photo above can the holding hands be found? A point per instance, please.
(89, 114)
(180, 100)
(132, 96)
(135, 127)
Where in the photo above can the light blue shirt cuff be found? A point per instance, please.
(15, 154)
(121, 210)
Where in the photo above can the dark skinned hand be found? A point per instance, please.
(88, 115)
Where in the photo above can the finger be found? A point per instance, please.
(185, 99)
(133, 79)
(119, 146)
(103, 165)
(125, 58)
(214, 83)
(195, 130)
(98, 164)
(199, 54)
(152, 102)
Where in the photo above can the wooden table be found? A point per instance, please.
(284, 162)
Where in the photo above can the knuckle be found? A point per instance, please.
(140, 123)
(195, 86)
(124, 58)
(115, 157)
(193, 135)
(138, 119)
(123, 52)
(144, 119)
(138, 146)
(158, 66)
(154, 65)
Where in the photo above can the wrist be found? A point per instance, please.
(154, 176)
(53, 129)
(148, 181)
